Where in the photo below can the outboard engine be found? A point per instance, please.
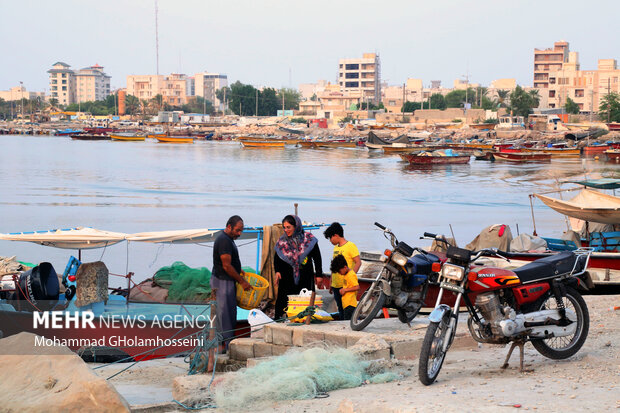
(38, 288)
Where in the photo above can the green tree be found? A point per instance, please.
(609, 109)
(291, 98)
(269, 102)
(223, 94)
(410, 107)
(502, 98)
(457, 98)
(571, 106)
(132, 105)
(242, 99)
(522, 102)
(314, 97)
(371, 106)
(438, 101)
(53, 101)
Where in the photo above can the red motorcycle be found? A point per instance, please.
(537, 302)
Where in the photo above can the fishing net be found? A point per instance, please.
(298, 375)
(184, 284)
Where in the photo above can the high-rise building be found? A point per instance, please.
(206, 84)
(62, 83)
(91, 84)
(361, 75)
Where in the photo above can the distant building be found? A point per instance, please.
(206, 84)
(69, 86)
(558, 76)
(173, 89)
(92, 84)
(62, 83)
(19, 93)
(361, 76)
(307, 90)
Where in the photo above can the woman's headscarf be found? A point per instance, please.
(294, 249)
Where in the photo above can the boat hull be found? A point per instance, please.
(127, 138)
(90, 137)
(174, 139)
(434, 160)
(521, 157)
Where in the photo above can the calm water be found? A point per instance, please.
(54, 182)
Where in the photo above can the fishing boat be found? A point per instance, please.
(404, 148)
(557, 152)
(174, 139)
(426, 158)
(90, 137)
(67, 132)
(593, 150)
(128, 137)
(613, 155)
(483, 126)
(614, 126)
(373, 142)
(522, 157)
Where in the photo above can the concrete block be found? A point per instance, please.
(336, 339)
(278, 350)
(353, 338)
(313, 336)
(282, 335)
(298, 336)
(263, 349)
(406, 350)
(185, 388)
(267, 336)
(242, 348)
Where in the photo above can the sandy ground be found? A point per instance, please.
(470, 380)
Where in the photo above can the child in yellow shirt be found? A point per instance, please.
(350, 285)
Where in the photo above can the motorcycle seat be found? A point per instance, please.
(550, 267)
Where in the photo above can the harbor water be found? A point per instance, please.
(55, 182)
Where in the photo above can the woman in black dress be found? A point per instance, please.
(297, 260)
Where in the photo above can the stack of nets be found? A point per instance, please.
(298, 375)
(184, 284)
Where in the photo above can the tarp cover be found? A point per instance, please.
(528, 243)
(490, 238)
(588, 205)
(73, 238)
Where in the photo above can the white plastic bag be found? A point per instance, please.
(257, 320)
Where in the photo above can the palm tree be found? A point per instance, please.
(535, 97)
(502, 98)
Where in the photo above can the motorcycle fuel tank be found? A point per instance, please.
(490, 278)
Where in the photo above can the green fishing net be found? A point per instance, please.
(184, 284)
(297, 375)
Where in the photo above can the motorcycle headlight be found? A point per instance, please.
(399, 259)
(453, 272)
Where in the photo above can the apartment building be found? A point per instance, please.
(91, 84)
(205, 86)
(62, 83)
(361, 76)
(19, 93)
(307, 90)
(547, 61)
(173, 88)
(558, 76)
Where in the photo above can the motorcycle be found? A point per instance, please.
(537, 302)
(402, 283)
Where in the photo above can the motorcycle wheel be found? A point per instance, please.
(432, 354)
(368, 307)
(406, 316)
(558, 348)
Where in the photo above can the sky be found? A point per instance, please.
(282, 43)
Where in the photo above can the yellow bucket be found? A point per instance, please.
(251, 299)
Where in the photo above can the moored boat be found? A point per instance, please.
(592, 150)
(427, 159)
(127, 137)
(613, 155)
(557, 152)
(175, 139)
(90, 137)
(522, 157)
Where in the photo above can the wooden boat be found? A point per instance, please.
(156, 135)
(421, 159)
(127, 137)
(404, 148)
(174, 139)
(613, 155)
(336, 144)
(449, 125)
(556, 152)
(483, 155)
(613, 126)
(483, 126)
(588, 205)
(522, 157)
(90, 137)
(592, 150)
(257, 142)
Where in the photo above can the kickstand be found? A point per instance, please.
(520, 344)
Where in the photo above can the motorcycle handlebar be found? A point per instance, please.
(428, 234)
(380, 226)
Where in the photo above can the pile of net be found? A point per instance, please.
(184, 284)
(299, 375)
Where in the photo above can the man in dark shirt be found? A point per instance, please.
(226, 273)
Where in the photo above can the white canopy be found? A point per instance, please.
(588, 205)
(72, 238)
(187, 236)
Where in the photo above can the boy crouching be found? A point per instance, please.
(350, 287)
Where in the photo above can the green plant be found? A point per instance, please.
(609, 110)
(494, 121)
(457, 120)
(298, 120)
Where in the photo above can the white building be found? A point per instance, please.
(205, 86)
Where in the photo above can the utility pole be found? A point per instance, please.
(21, 88)
(256, 111)
(403, 110)
(282, 91)
(608, 105)
(156, 39)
